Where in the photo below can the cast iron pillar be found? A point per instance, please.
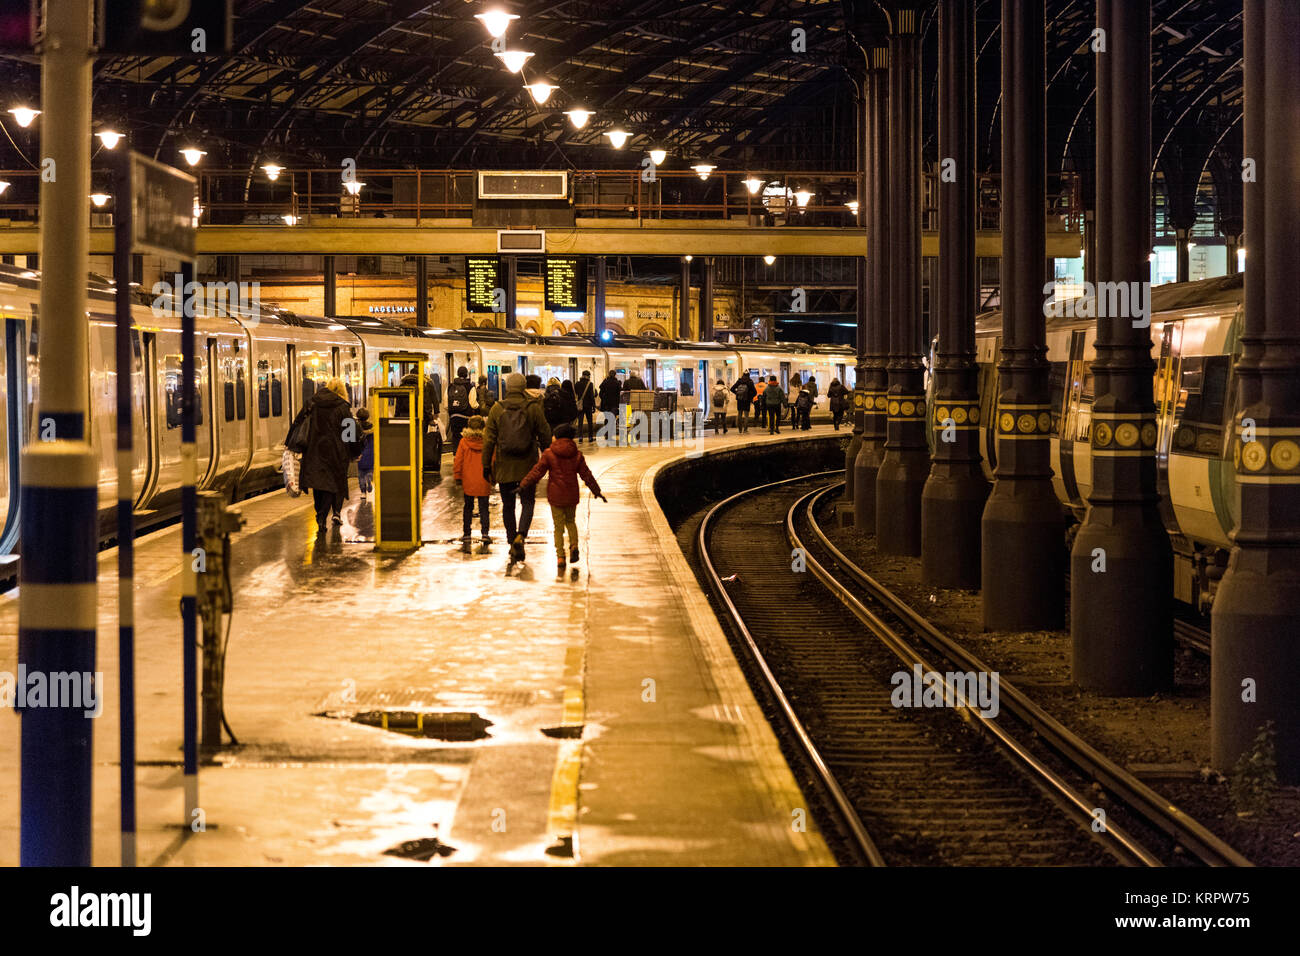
(906, 462)
(1256, 654)
(706, 299)
(1121, 565)
(512, 292)
(421, 291)
(684, 297)
(330, 287)
(599, 322)
(860, 133)
(1022, 549)
(873, 382)
(952, 502)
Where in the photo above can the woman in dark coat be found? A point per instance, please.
(335, 439)
(837, 395)
(569, 401)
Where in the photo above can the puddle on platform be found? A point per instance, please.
(424, 849)
(438, 725)
(565, 732)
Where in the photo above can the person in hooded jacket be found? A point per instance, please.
(553, 404)
(745, 392)
(611, 391)
(837, 396)
(585, 392)
(460, 405)
(515, 432)
(803, 406)
(334, 440)
(468, 470)
(566, 464)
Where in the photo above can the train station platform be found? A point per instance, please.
(600, 720)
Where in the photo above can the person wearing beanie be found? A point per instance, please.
(460, 405)
(516, 431)
(566, 464)
(469, 472)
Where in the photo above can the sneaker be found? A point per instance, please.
(573, 555)
(517, 548)
(559, 565)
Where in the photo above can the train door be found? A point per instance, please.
(15, 373)
(573, 370)
(494, 377)
(334, 362)
(651, 374)
(152, 431)
(839, 373)
(523, 365)
(1071, 389)
(216, 377)
(1165, 393)
(290, 382)
(785, 377)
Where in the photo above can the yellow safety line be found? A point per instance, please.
(562, 818)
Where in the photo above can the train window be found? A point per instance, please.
(241, 399)
(1056, 375)
(1202, 398)
(228, 395)
(277, 396)
(688, 381)
(263, 389)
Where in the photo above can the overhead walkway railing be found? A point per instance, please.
(305, 196)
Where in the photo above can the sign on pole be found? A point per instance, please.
(162, 209)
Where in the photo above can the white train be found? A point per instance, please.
(253, 373)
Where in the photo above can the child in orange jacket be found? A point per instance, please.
(468, 470)
(566, 464)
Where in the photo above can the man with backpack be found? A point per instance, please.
(803, 405)
(744, 391)
(460, 405)
(516, 432)
(586, 391)
(611, 390)
(720, 396)
(773, 398)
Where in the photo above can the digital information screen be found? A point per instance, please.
(566, 284)
(482, 278)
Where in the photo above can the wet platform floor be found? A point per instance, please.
(611, 723)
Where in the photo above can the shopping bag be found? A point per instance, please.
(292, 466)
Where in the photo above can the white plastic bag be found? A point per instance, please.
(291, 464)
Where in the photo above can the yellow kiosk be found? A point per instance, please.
(399, 452)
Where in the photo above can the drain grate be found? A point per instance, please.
(438, 725)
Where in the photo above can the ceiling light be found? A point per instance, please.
(272, 171)
(689, 258)
(578, 117)
(618, 136)
(496, 21)
(514, 59)
(109, 138)
(753, 184)
(541, 91)
(703, 169)
(853, 205)
(3, 186)
(290, 219)
(801, 196)
(657, 156)
(193, 155)
(769, 259)
(100, 199)
(353, 187)
(24, 115)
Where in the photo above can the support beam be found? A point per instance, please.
(844, 509)
(1256, 654)
(1121, 564)
(330, 275)
(1022, 539)
(907, 461)
(706, 299)
(512, 292)
(870, 395)
(952, 502)
(684, 302)
(422, 292)
(600, 296)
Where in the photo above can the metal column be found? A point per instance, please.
(873, 381)
(512, 292)
(1256, 654)
(906, 463)
(706, 299)
(845, 506)
(422, 292)
(1121, 564)
(600, 297)
(684, 297)
(1023, 550)
(329, 276)
(57, 593)
(952, 502)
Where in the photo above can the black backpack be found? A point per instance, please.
(804, 401)
(553, 405)
(458, 398)
(514, 432)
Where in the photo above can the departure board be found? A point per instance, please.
(482, 278)
(566, 284)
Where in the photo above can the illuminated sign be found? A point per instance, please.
(566, 284)
(482, 281)
(391, 309)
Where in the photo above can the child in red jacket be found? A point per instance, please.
(468, 470)
(565, 463)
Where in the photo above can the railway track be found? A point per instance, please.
(938, 786)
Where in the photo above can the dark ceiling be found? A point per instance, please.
(414, 83)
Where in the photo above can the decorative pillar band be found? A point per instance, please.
(1123, 434)
(1019, 422)
(964, 415)
(1272, 458)
(903, 408)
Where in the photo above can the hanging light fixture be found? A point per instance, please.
(769, 259)
(272, 171)
(514, 59)
(853, 206)
(3, 186)
(24, 115)
(618, 136)
(689, 258)
(753, 184)
(109, 138)
(657, 155)
(290, 219)
(578, 117)
(353, 187)
(193, 154)
(541, 91)
(801, 196)
(497, 22)
(100, 199)
(703, 169)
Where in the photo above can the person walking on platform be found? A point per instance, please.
(516, 430)
(366, 463)
(773, 399)
(585, 391)
(720, 396)
(569, 402)
(803, 405)
(333, 440)
(611, 390)
(469, 471)
(483, 397)
(837, 396)
(553, 404)
(760, 404)
(566, 464)
(533, 386)
(634, 382)
(744, 391)
(460, 406)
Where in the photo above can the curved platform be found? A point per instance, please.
(601, 719)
